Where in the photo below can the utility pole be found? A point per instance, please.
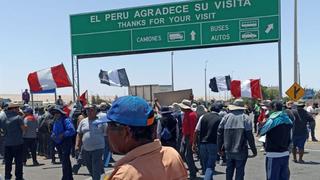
(205, 83)
(299, 75)
(172, 83)
(295, 41)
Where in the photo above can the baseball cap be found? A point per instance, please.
(28, 110)
(132, 111)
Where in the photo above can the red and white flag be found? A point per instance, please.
(83, 98)
(249, 88)
(51, 78)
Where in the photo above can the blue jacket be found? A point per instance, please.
(62, 125)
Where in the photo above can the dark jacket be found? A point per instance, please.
(11, 123)
(209, 127)
(234, 135)
(278, 139)
(302, 117)
(170, 122)
(278, 132)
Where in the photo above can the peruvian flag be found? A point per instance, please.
(51, 78)
(83, 98)
(67, 109)
(249, 88)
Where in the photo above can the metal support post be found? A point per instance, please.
(172, 80)
(279, 54)
(205, 83)
(295, 41)
(75, 77)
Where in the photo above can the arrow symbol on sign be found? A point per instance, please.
(193, 35)
(295, 92)
(269, 28)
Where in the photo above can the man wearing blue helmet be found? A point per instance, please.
(131, 131)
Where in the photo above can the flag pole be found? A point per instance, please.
(32, 100)
(55, 95)
(172, 80)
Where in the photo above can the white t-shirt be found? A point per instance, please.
(92, 135)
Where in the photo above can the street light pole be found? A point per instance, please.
(205, 82)
(299, 75)
(295, 41)
(172, 83)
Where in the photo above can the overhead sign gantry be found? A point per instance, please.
(173, 26)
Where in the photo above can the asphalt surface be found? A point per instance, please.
(255, 168)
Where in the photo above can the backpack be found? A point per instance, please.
(165, 134)
(168, 128)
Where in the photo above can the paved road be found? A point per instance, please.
(254, 169)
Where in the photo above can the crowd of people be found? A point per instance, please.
(156, 141)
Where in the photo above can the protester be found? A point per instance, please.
(221, 158)
(107, 155)
(25, 97)
(167, 129)
(52, 143)
(201, 110)
(130, 131)
(12, 124)
(40, 138)
(234, 135)
(300, 131)
(178, 114)
(265, 110)
(312, 109)
(207, 128)
(256, 113)
(62, 133)
(79, 159)
(30, 136)
(44, 133)
(91, 137)
(59, 101)
(189, 123)
(278, 138)
(2, 107)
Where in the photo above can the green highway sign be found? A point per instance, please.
(174, 26)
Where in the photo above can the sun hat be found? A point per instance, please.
(57, 109)
(13, 105)
(289, 104)
(130, 110)
(104, 106)
(185, 104)
(176, 107)
(165, 110)
(238, 104)
(300, 103)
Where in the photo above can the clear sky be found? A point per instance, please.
(35, 34)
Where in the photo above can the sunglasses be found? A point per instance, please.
(115, 126)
